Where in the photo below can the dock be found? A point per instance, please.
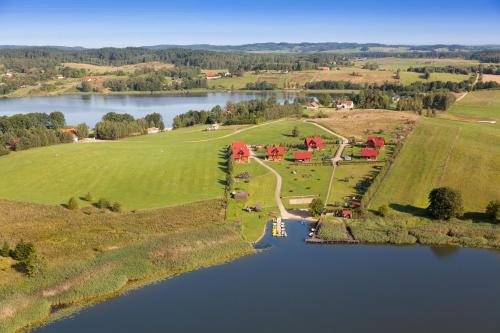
(313, 239)
(279, 229)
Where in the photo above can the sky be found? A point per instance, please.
(98, 23)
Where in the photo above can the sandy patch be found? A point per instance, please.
(300, 201)
(491, 77)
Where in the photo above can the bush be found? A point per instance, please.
(295, 132)
(72, 204)
(383, 211)
(316, 206)
(103, 203)
(88, 197)
(445, 203)
(116, 207)
(5, 252)
(493, 210)
(4, 151)
(23, 251)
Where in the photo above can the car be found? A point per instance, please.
(327, 158)
(347, 158)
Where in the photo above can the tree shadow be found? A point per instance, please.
(477, 217)
(409, 209)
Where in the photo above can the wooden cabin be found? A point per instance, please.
(241, 153)
(275, 153)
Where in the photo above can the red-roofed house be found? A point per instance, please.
(345, 104)
(212, 76)
(275, 153)
(303, 156)
(315, 143)
(375, 142)
(369, 154)
(324, 68)
(241, 153)
(313, 106)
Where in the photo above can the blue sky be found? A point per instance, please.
(93, 23)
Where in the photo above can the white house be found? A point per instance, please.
(213, 76)
(214, 127)
(313, 106)
(345, 104)
(153, 130)
(395, 98)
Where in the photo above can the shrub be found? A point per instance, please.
(72, 204)
(23, 250)
(295, 132)
(383, 210)
(88, 197)
(4, 151)
(316, 206)
(493, 210)
(103, 203)
(116, 207)
(445, 203)
(5, 252)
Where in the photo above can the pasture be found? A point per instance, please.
(478, 104)
(149, 171)
(393, 63)
(465, 156)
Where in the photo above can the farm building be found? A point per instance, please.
(153, 130)
(369, 153)
(313, 106)
(315, 143)
(375, 142)
(213, 127)
(347, 213)
(324, 68)
(395, 98)
(86, 78)
(345, 104)
(275, 153)
(241, 153)
(303, 156)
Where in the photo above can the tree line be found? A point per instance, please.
(114, 126)
(247, 112)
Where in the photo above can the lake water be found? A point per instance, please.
(295, 287)
(91, 108)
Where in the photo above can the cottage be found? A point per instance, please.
(345, 104)
(275, 153)
(241, 195)
(313, 106)
(347, 213)
(153, 130)
(324, 68)
(71, 131)
(213, 76)
(315, 143)
(213, 127)
(377, 142)
(241, 153)
(303, 156)
(369, 153)
(395, 98)
(86, 78)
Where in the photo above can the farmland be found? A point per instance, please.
(444, 153)
(478, 105)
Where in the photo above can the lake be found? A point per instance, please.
(295, 287)
(90, 108)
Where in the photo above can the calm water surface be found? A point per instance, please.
(294, 287)
(91, 108)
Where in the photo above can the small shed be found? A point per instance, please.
(303, 156)
(241, 195)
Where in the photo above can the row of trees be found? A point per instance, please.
(247, 112)
(115, 126)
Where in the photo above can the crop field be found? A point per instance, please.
(464, 156)
(142, 172)
(360, 123)
(479, 104)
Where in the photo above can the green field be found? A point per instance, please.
(392, 63)
(410, 77)
(481, 103)
(465, 156)
(143, 172)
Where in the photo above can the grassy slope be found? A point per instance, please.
(444, 153)
(481, 103)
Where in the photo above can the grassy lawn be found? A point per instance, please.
(481, 103)
(461, 155)
(410, 77)
(261, 187)
(355, 174)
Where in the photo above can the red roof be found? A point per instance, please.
(377, 141)
(275, 150)
(367, 152)
(314, 104)
(240, 149)
(344, 102)
(316, 142)
(212, 74)
(303, 155)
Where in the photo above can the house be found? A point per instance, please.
(241, 195)
(395, 98)
(153, 130)
(59, 77)
(345, 105)
(303, 156)
(315, 143)
(213, 76)
(86, 78)
(241, 153)
(323, 68)
(313, 106)
(213, 127)
(377, 142)
(347, 213)
(369, 153)
(275, 153)
(71, 131)
(8, 74)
